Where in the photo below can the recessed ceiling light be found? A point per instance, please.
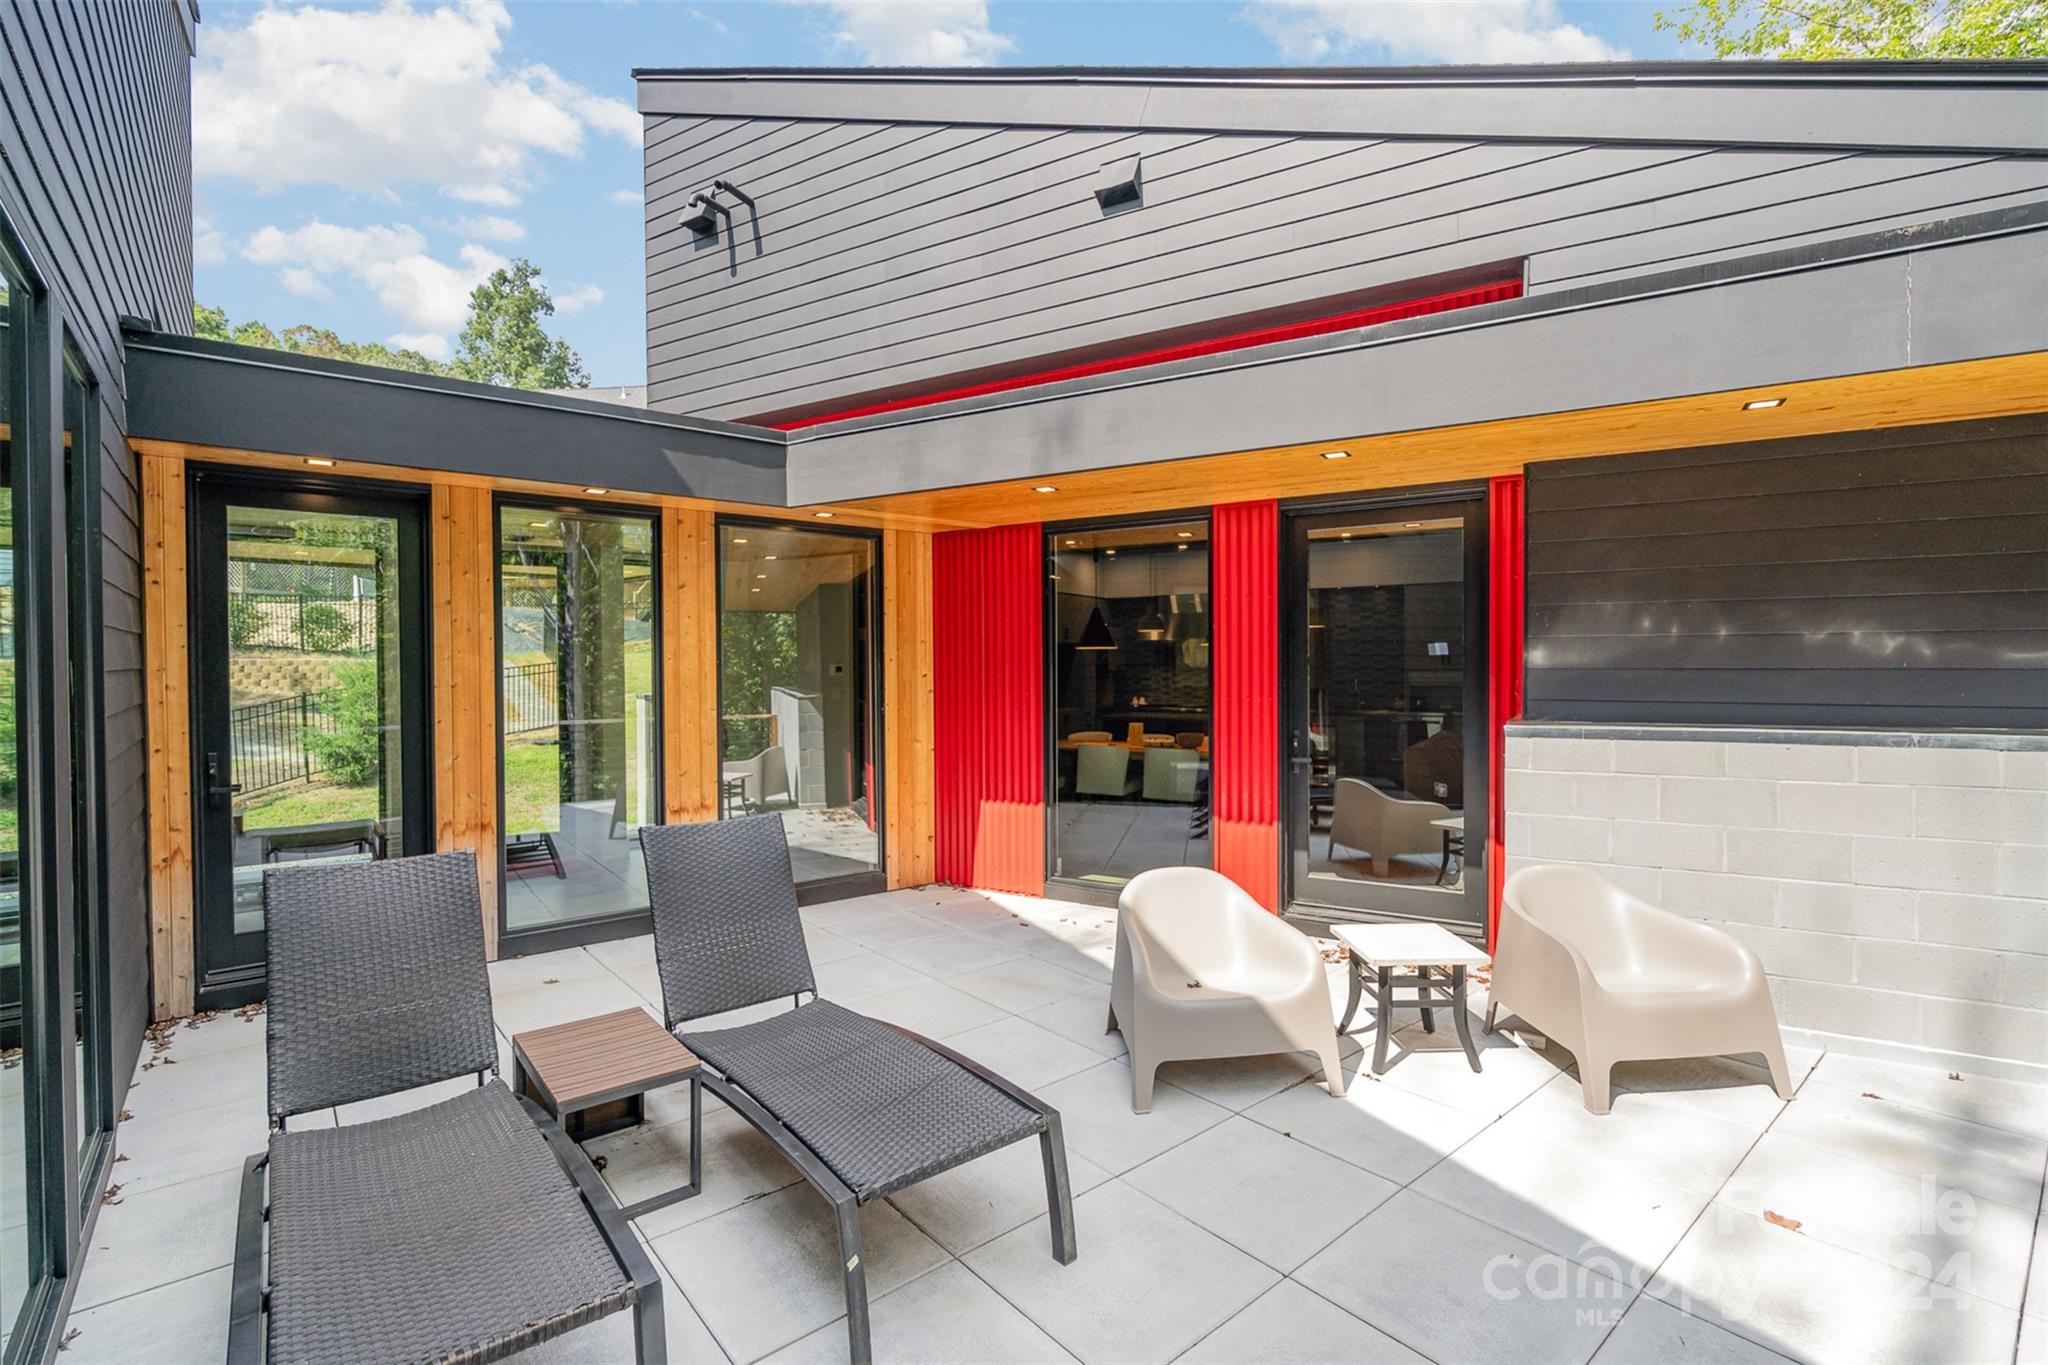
(597, 492)
(1411, 525)
(739, 540)
(767, 556)
(1180, 547)
(1336, 454)
(1073, 542)
(1343, 535)
(1046, 488)
(824, 516)
(760, 575)
(1756, 404)
(1185, 535)
(319, 463)
(753, 590)
(1111, 553)
(538, 525)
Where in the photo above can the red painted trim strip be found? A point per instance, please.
(1507, 605)
(1244, 659)
(1260, 336)
(988, 711)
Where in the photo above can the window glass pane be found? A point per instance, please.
(19, 1260)
(1386, 693)
(581, 731)
(1131, 710)
(87, 1055)
(315, 710)
(797, 685)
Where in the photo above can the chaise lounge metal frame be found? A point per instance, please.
(727, 936)
(465, 1230)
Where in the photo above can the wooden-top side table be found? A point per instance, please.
(1439, 958)
(593, 1075)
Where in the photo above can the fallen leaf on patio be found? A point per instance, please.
(1194, 985)
(125, 1116)
(250, 1011)
(600, 1161)
(69, 1337)
(551, 981)
(1954, 1076)
(112, 1195)
(1789, 1224)
(121, 1157)
(1872, 1095)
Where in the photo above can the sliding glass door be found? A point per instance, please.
(799, 708)
(1384, 662)
(579, 631)
(309, 662)
(1128, 621)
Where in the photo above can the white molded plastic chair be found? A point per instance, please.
(764, 777)
(1104, 770)
(1372, 822)
(1203, 970)
(1617, 980)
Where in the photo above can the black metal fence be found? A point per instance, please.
(267, 741)
(531, 702)
(301, 622)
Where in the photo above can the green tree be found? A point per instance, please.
(351, 751)
(209, 324)
(504, 342)
(1832, 30)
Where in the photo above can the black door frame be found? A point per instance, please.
(210, 491)
(1073, 888)
(850, 884)
(1297, 518)
(624, 923)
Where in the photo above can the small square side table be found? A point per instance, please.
(1439, 958)
(593, 1075)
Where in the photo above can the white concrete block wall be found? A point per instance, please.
(1895, 886)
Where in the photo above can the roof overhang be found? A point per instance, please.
(1988, 107)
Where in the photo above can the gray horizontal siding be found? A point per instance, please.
(887, 256)
(95, 119)
(1870, 578)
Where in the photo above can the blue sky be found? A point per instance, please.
(359, 167)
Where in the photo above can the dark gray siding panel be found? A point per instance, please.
(1874, 578)
(889, 256)
(95, 120)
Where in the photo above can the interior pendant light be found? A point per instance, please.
(1152, 625)
(1095, 635)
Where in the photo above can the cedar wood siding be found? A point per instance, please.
(895, 254)
(97, 177)
(1881, 578)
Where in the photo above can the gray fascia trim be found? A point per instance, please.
(1995, 223)
(2009, 741)
(229, 353)
(1986, 108)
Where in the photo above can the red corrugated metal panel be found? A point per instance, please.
(988, 707)
(1245, 673)
(1507, 603)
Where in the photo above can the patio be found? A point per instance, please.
(1886, 1213)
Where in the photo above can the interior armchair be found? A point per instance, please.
(1384, 827)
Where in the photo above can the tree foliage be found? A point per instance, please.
(1833, 30)
(504, 341)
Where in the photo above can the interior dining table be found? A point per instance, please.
(1136, 747)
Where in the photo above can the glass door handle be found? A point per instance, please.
(216, 793)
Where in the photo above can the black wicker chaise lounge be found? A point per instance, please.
(463, 1231)
(860, 1107)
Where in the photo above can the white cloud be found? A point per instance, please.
(701, 17)
(1475, 31)
(491, 228)
(303, 282)
(627, 197)
(915, 32)
(432, 345)
(427, 295)
(209, 244)
(576, 300)
(368, 99)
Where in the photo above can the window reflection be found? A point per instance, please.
(1386, 685)
(1131, 700)
(580, 728)
(797, 691)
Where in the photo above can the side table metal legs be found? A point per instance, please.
(1432, 991)
(696, 1185)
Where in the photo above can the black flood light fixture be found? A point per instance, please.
(702, 214)
(1120, 185)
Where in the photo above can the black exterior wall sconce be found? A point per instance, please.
(703, 214)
